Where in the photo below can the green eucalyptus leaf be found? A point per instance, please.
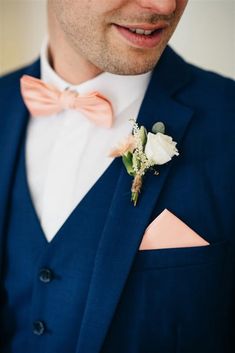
(127, 160)
(143, 135)
(158, 127)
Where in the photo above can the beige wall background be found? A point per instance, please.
(205, 35)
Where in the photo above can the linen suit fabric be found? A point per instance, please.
(169, 300)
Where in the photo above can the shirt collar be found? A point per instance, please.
(121, 90)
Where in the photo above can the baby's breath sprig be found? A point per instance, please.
(140, 161)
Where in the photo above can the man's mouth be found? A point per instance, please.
(141, 31)
(142, 35)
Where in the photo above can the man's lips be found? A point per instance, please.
(142, 40)
(146, 27)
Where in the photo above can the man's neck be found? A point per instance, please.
(69, 69)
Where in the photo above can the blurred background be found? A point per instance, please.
(205, 35)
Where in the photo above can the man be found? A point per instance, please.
(81, 271)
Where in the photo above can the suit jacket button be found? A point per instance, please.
(45, 275)
(38, 328)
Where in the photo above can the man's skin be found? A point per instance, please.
(84, 39)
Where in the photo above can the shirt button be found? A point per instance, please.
(38, 328)
(45, 275)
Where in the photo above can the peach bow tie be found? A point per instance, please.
(45, 99)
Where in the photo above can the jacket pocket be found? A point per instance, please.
(178, 257)
(173, 301)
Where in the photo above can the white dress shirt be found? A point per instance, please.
(66, 153)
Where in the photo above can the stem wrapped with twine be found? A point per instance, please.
(136, 187)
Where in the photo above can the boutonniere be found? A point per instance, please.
(142, 151)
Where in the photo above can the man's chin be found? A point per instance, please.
(137, 64)
(131, 66)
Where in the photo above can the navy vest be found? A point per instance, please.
(46, 284)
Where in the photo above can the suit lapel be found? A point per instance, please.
(14, 117)
(125, 224)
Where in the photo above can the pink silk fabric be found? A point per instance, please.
(168, 231)
(43, 99)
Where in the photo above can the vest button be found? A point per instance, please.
(45, 275)
(38, 327)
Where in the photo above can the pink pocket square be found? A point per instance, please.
(168, 231)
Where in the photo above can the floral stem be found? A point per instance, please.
(135, 189)
(134, 197)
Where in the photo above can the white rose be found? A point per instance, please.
(160, 148)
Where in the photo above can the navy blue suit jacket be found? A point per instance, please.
(169, 300)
